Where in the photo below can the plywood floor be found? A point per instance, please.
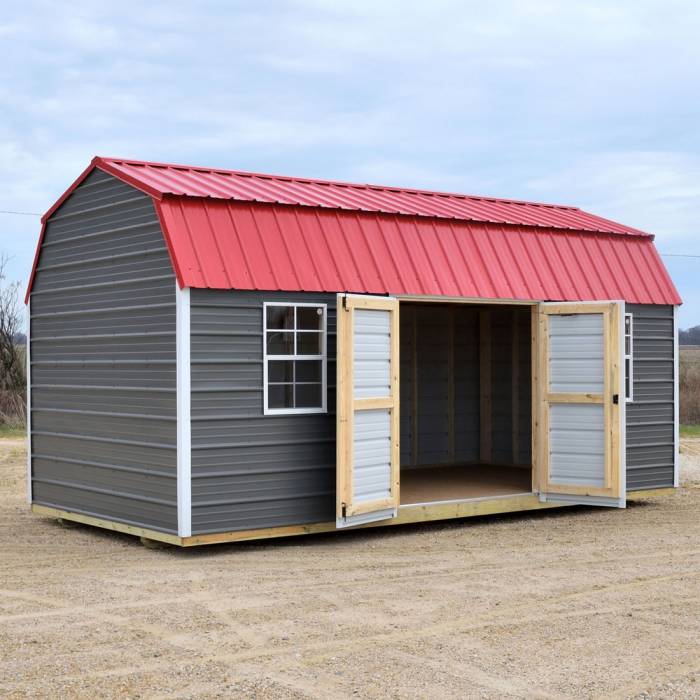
(428, 484)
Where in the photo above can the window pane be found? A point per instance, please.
(280, 396)
(280, 342)
(308, 343)
(280, 317)
(628, 324)
(627, 378)
(628, 345)
(308, 370)
(280, 371)
(309, 318)
(308, 396)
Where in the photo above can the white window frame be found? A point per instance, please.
(323, 357)
(629, 380)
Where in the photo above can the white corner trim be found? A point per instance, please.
(29, 401)
(676, 403)
(184, 424)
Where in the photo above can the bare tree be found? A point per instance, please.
(12, 355)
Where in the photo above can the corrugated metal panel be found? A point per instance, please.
(650, 427)
(433, 390)
(466, 374)
(224, 245)
(103, 359)
(576, 353)
(576, 444)
(251, 470)
(323, 236)
(372, 353)
(371, 461)
(164, 179)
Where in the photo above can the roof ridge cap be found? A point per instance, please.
(340, 183)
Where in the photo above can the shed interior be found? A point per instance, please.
(466, 401)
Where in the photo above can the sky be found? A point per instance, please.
(594, 104)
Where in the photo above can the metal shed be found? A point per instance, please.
(219, 356)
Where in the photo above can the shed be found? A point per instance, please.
(218, 355)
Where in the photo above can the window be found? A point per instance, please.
(629, 369)
(294, 352)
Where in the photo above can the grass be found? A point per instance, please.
(9, 432)
(690, 431)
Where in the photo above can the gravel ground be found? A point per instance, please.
(572, 603)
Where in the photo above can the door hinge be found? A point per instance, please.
(616, 398)
(344, 510)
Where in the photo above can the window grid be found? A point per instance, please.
(629, 363)
(295, 358)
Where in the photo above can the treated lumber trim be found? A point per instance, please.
(407, 514)
(611, 384)
(395, 369)
(543, 408)
(616, 409)
(535, 438)
(359, 302)
(345, 402)
(485, 387)
(432, 299)
(515, 388)
(370, 506)
(574, 398)
(576, 308)
(369, 404)
(106, 524)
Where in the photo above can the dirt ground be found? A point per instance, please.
(571, 603)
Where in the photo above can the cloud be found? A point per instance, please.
(582, 102)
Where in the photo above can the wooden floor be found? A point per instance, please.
(429, 484)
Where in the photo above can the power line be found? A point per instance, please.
(19, 213)
(678, 255)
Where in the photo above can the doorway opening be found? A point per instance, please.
(466, 401)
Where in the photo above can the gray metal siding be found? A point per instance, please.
(103, 359)
(250, 470)
(650, 420)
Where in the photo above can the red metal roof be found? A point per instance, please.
(159, 179)
(230, 230)
(237, 245)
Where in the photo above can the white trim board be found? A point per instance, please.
(184, 423)
(623, 401)
(29, 400)
(676, 406)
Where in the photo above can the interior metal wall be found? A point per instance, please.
(441, 384)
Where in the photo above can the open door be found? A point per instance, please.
(580, 403)
(367, 434)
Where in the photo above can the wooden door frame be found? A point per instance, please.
(613, 413)
(347, 404)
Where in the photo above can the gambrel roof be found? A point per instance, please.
(235, 230)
